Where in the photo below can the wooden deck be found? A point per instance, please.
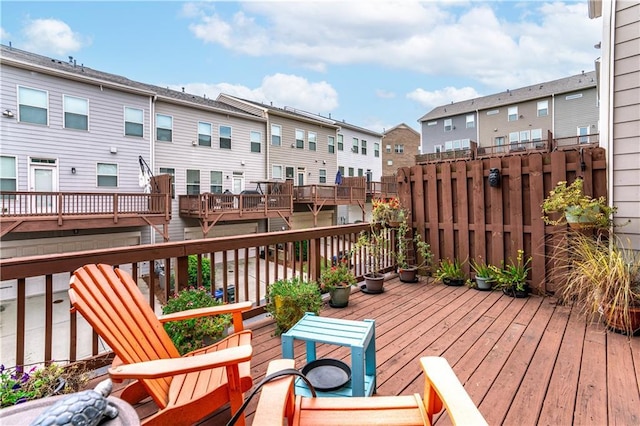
(523, 361)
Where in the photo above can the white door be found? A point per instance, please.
(43, 177)
(301, 173)
(238, 183)
(583, 133)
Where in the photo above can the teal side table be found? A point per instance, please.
(358, 335)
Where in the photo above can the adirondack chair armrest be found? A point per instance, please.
(172, 366)
(277, 398)
(442, 387)
(231, 308)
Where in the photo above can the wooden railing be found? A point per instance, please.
(329, 194)
(514, 148)
(204, 205)
(246, 263)
(386, 188)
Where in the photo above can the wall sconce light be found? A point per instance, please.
(227, 176)
(193, 143)
(495, 130)
(521, 116)
(7, 113)
(73, 170)
(242, 162)
(494, 177)
(113, 150)
(309, 173)
(293, 146)
(324, 161)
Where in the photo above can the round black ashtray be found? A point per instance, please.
(327, 374)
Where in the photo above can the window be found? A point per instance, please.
(360, 172)
(341, 169)
(331, 143)
(493, 112)
(164, 128)
(172, 172)
(499, 143)
(8, 174)
(276, 172)
(276, 135)
(512, 114)
(389, 162)
(350, 171)
(431, 123)
(448, 124)
(536, 135)
(399, 148)
(525, 136)
(289, 173)
(322, 176)
(133, 122)
(543, 108)
(513, 140)
(33, 105)
(582, 133)
(300, 139)
(363, 147)
(216, 182)
(313, 141)
(204, 133)
(576, 96)
(355, 145)
(256, 141)
(437, 148)
(225, 137)
(376, 150)
(193, 182)
(340, 142)
(76, 113)
(388, 148)
(471, 121)
(107, 174)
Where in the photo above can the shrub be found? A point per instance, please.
(193, 271)
(289, 300)
(190, 334)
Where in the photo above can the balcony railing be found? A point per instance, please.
(208, 204)
(248, 263)
(329, 194)
(386, 188)
(39, 211)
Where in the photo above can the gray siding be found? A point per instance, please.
(433, 135)
(576, 112)
(498, 125)
(74, 148)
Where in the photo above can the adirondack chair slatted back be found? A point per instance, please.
(116, 309)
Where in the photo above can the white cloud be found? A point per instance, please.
(4, 36)
(52, 36)
(458, 39)
(385, 94)
(281, 89)
(431, 99)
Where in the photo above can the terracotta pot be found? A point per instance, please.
(615, 320)
(374, 284)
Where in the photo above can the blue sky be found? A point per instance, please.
(373, 63)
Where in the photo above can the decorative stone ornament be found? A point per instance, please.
(494, 177)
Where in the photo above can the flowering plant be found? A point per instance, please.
(17, 385)
(514, 274)
(189, 334)
(336, 276)
(386, 210)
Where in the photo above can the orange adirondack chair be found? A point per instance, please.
(442, 390)
(185, 389)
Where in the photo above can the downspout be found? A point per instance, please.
(553, 115)
(606, 76)
(152, 157)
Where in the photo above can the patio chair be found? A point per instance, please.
(442, 389)
(185, 389)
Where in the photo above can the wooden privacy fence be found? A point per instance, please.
(462, 217)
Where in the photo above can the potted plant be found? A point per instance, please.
(18, 386)
(485, 275)
(289, 299)
(194, 333)
(409, 273)
(512, 277)
(603, 279)
(373, 245)
(386, 212)
(576, 208)
(338, 280)
(450, 272)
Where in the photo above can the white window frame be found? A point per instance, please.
(164, 127)
(172, 172)
(437, 148)
(543, 108)
(398, 148)
(389, 162)
(276, 135)
(363, 147)
(340, 142)
(470, 121)
(431, 123)
(223, 139)
(534, 133)
(192, 185)
(388, 148)
(299, 139)
(4, 176)
(255, 139)
(322, 176)
(351, 172)
(355, 145)
(216, 176)
(512, 113)
(276, 171)
(583, 137)
(128, 118)
(102, 173)
(312, 138)
(448, 124)
(68, 109)
(204, 133)
(28, 104)
(376, 149)
(331, 144)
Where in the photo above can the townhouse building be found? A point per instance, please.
(545, 116)
(401, 145)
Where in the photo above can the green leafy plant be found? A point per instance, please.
(18, 385)
(375, 244)
(194, 333)
(449, 269)
(289, 299)
(192, 271)
(513, 274)
(571, 200)
(482, 269)
(422, 248)
(337, 275)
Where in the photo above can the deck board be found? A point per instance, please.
(523, 361)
